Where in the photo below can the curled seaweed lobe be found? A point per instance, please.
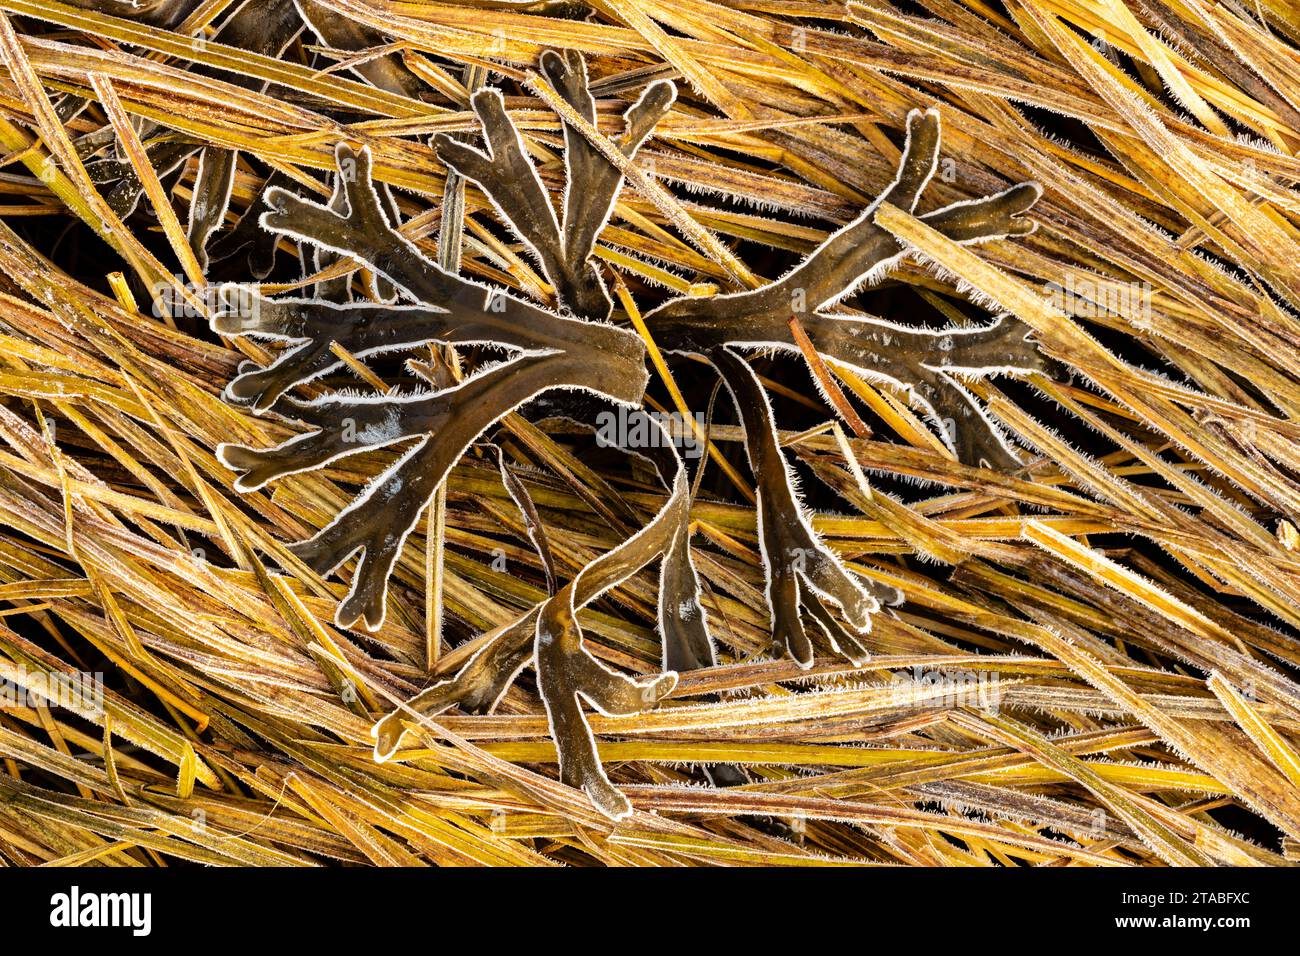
(573, 359)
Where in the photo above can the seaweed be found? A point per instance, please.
(575, 348)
